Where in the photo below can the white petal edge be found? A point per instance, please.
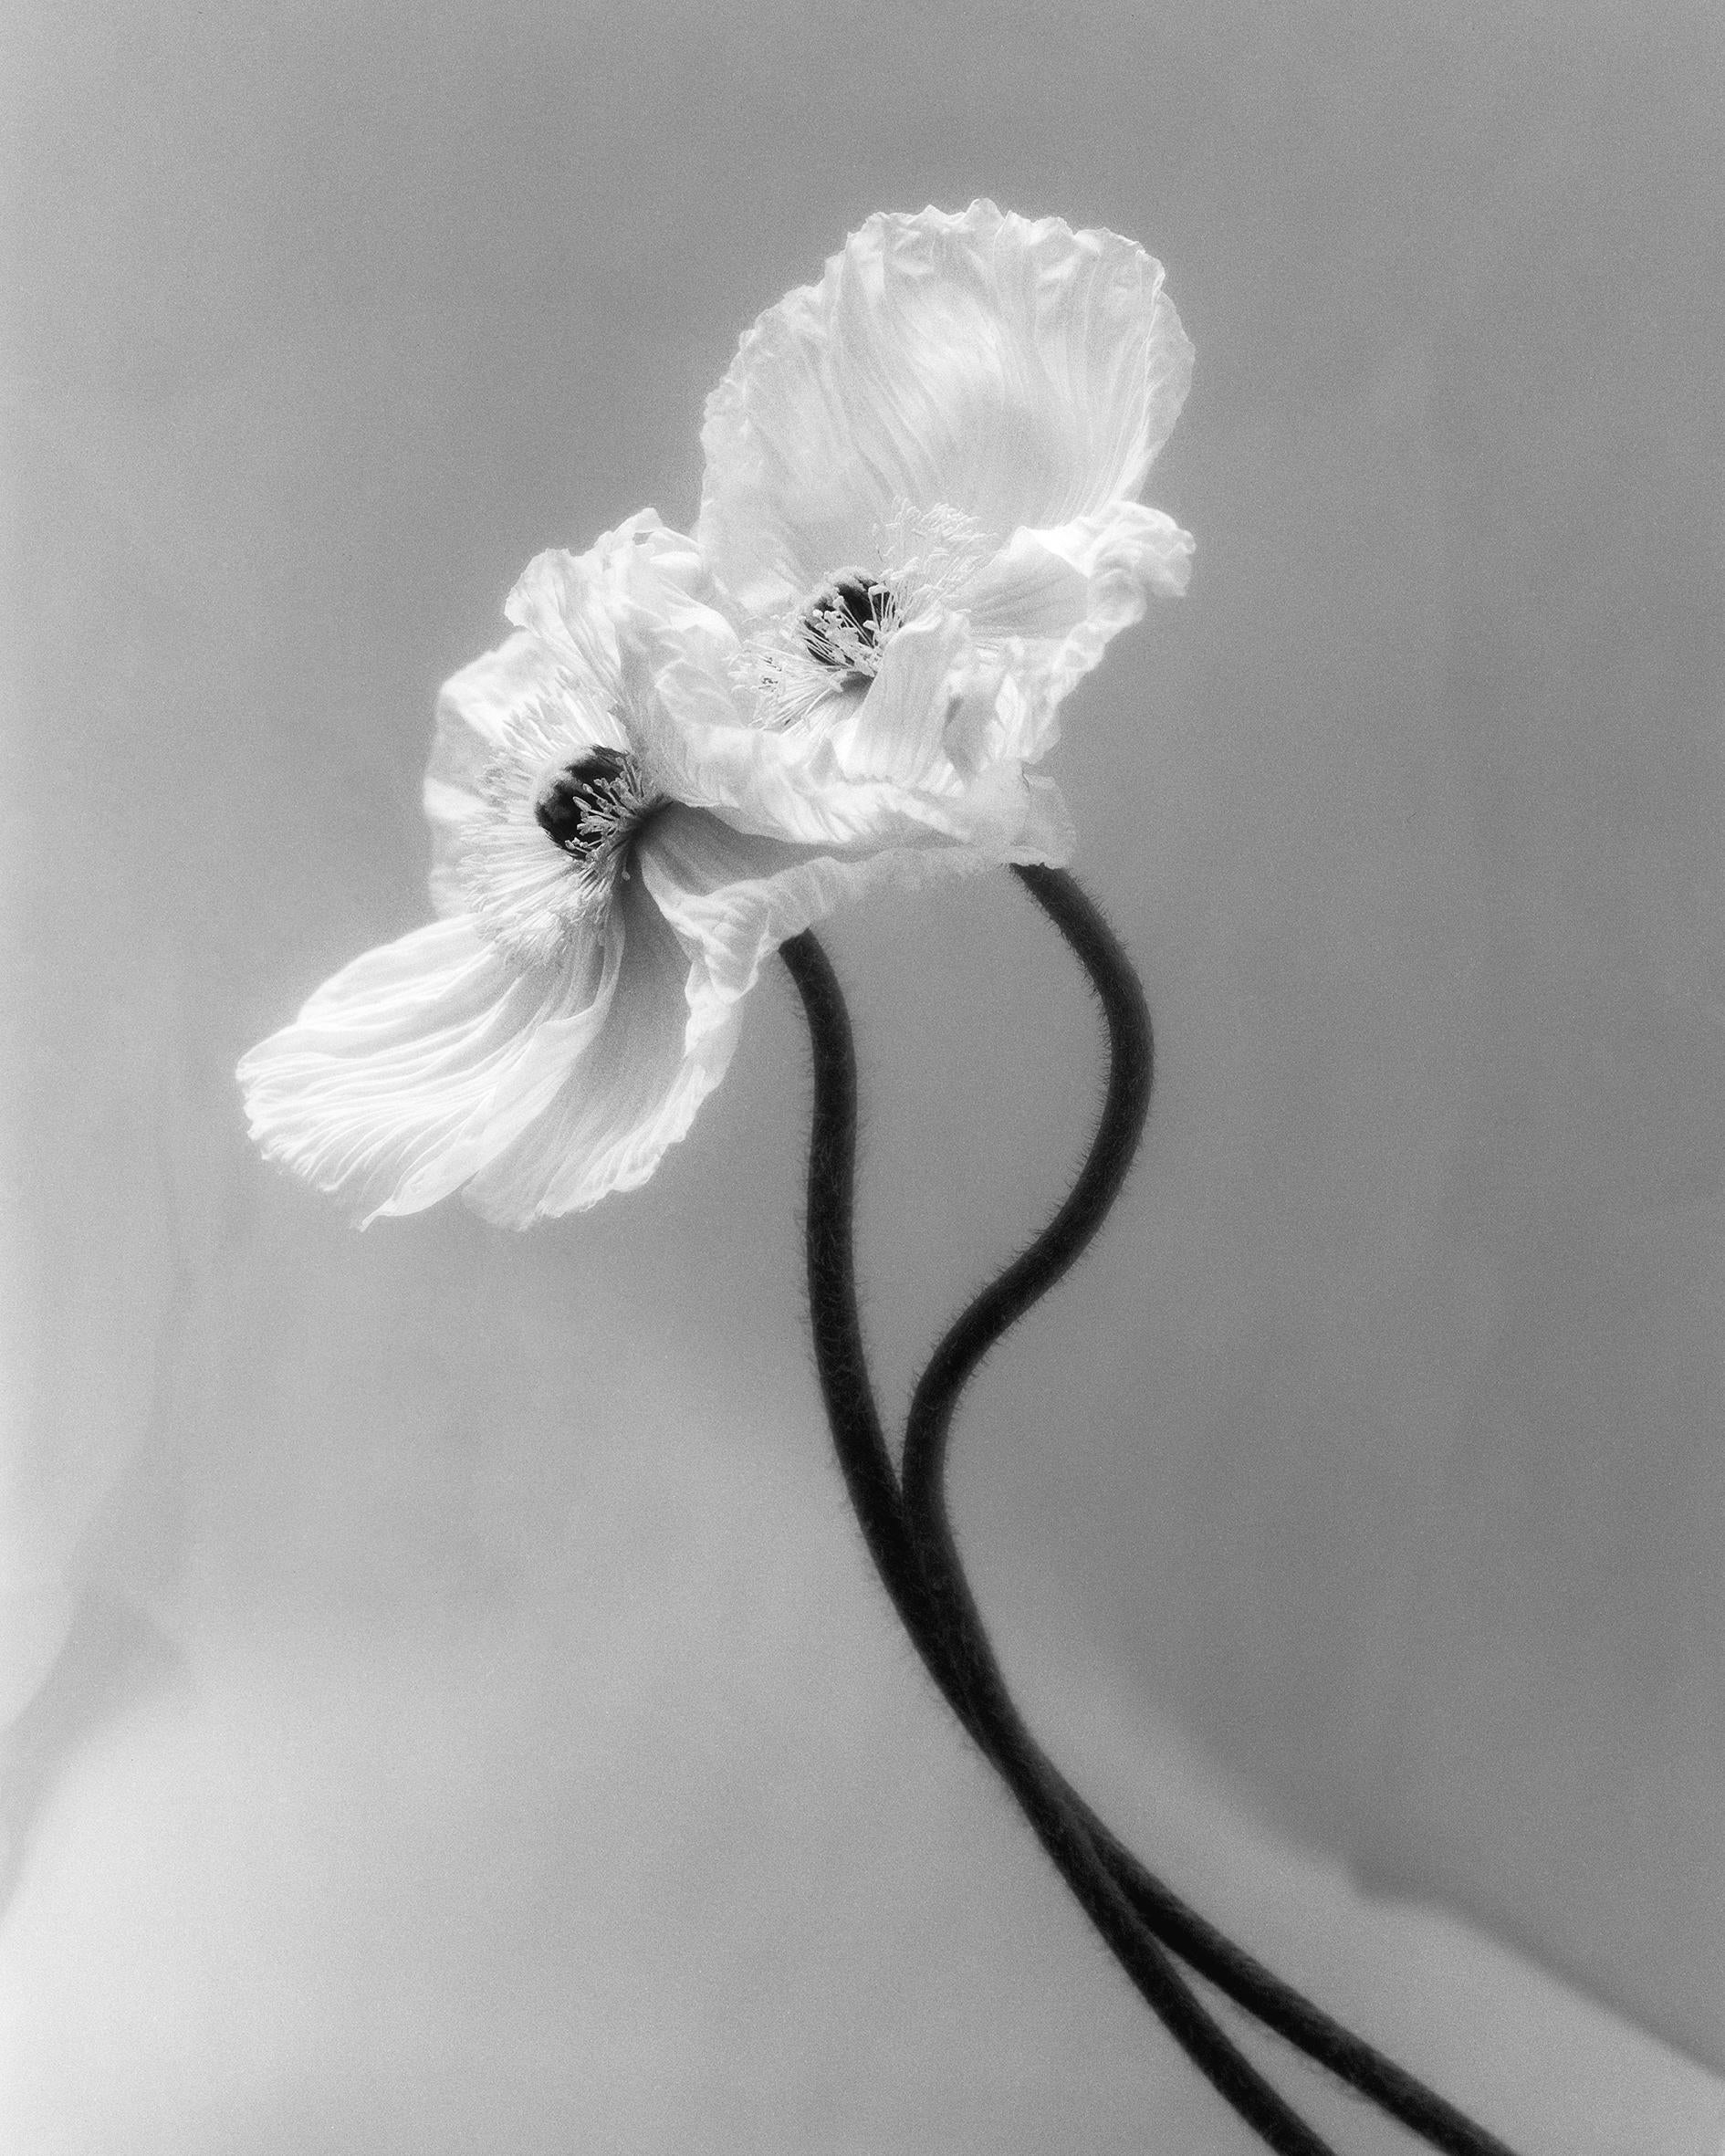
(735, 896)
(562, 664)
(575, 600)
(476, 709)
(418, 1063)
(894, 732)
(1059, 598)
(1020, 372)
(782, 784)
(633, 1089)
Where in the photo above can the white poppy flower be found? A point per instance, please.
(958, 417)
(618, 845)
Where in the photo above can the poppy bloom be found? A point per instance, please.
(959, 416)
(618, 844)
(919, 530)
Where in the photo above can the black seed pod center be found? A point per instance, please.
(845, 627)
(583, 799)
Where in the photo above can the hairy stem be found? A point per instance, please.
(928, 1522)
(867, 1469)
(925, 1578)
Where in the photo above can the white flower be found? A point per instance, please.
(619, 844)
(919, 528)
(958, 417)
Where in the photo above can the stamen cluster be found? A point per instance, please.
(554, 838)
(592, 805)
(831, 645)
(846, 628)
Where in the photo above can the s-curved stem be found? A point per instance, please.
(920, 1564)
(928, 1432)
(868, 1473)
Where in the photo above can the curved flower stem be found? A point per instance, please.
(1209, 1950)
(867, 1468)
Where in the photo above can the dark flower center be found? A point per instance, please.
(587, 801)
(847, 626)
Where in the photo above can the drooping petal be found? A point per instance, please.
(735, 896)
(420, 1062)
(1019, 373)
(630, 1092)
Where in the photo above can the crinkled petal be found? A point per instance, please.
(787, 785)
(691, 727)
(420, 1062)
(561, 674)
(632, 1091)
(868, 769)
(894, 732)
(574, 601)
(666, 603)
(1018, 372)
(526, 678)
(1062, 596)
(735, 896)
(565, 609)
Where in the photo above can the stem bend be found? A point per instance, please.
(910, 1538)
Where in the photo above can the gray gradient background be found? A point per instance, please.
(472, 1724)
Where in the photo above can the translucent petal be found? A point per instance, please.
(737, 896)
(421, 1061)
(560, 681)
(866, 769)
(565, 607)
(631, 1091)
(575, 601)
(789, 785)
(1019, 373)
(1063, 595)
(666, 605)
(894, 732)
(525, 679)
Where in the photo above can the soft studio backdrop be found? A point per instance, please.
(451, 1708)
